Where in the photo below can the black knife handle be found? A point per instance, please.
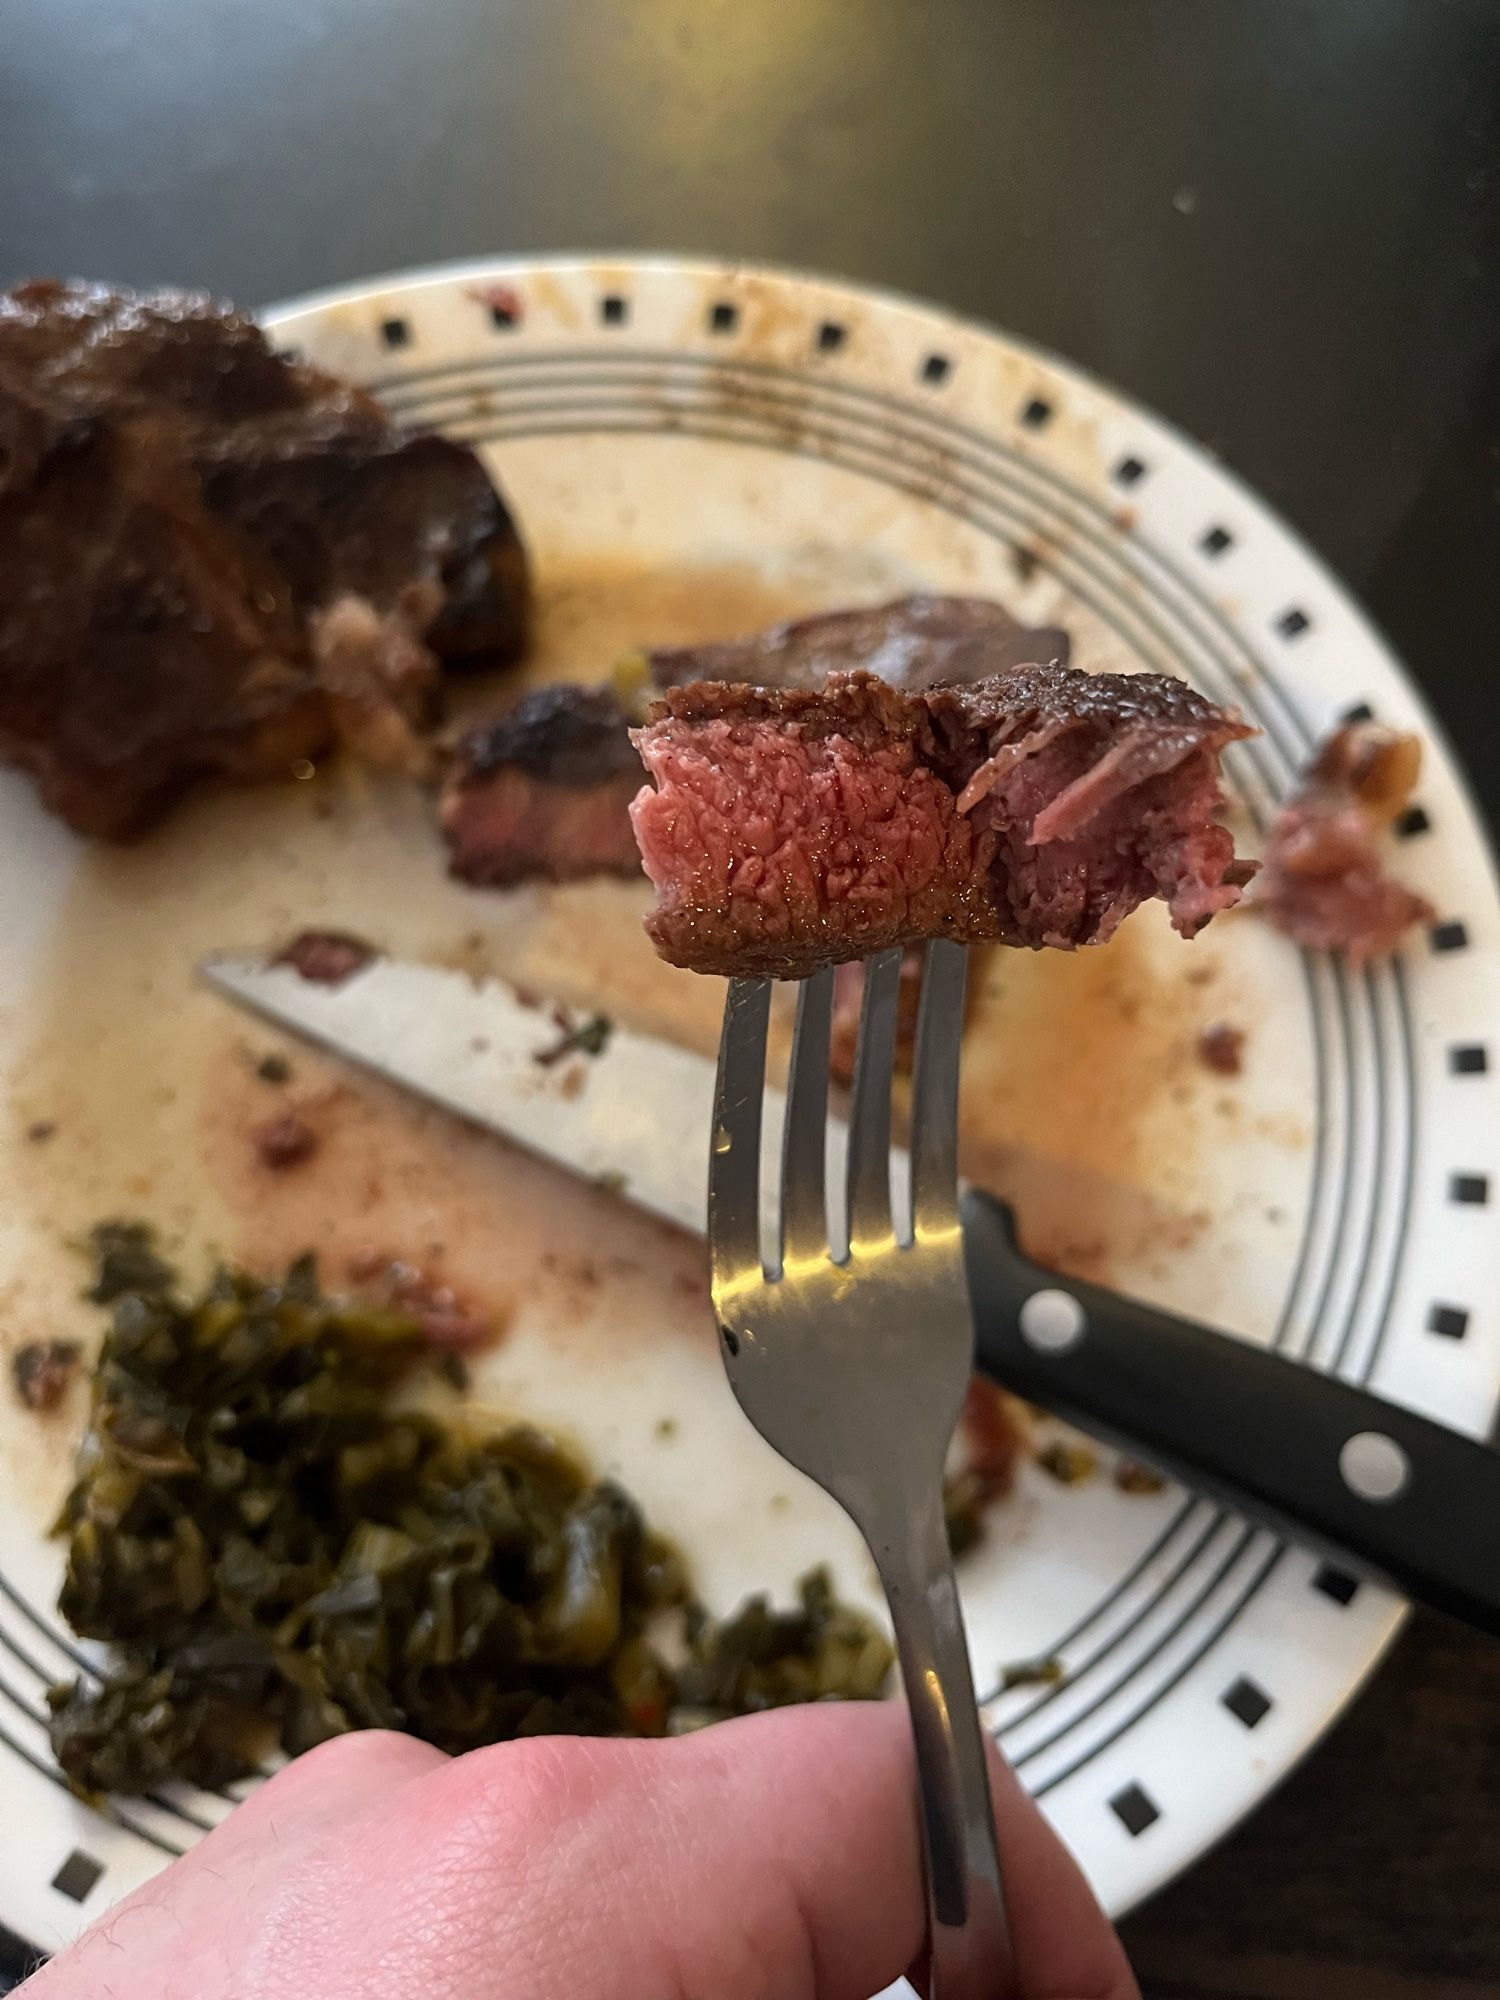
(1275, 1439)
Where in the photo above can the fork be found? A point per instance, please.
(850, 1350)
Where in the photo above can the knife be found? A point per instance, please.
(1384, 1491)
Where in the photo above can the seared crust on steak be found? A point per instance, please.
(544, 791)
(186, 518)
(913, 642)
(789, 829)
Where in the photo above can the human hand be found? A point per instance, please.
(773, 1858)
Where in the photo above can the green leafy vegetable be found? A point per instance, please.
(281, 1549)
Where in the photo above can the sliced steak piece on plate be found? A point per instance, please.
(786, 830)
(539, 793)
(544, 791)
(913, 642)
(1323, 879)
(217, 559)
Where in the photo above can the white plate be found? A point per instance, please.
(692, 449)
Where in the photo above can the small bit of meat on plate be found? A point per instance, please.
(914, 643)
(42, 1370)
(848, 999)
(991, 1438)
(1068, 1463)
(787, 830)
(219, 560)
(1323, 880)
(446, 1319)
(327, 958)
(285, 1141)
(1222, 1048)
(1046, 1672)
(1130, 1476)
(544, 791)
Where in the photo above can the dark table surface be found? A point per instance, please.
(1278, 222)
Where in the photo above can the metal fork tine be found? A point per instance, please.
(870, 1109)
(934, 1109)
(734, 1154)
(804, 1145)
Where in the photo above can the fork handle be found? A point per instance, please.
(1387, 1492)
(970, 1951)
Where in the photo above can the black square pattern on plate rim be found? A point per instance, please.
(723, 316)
(1358, 711)
(1448, 1322)
(935, 370)
(1336, 1584)
(1247, 1701)
(1215, 541)
(396, 332)
(1449, 936)
(1413, 821)
(1135, 1809)
(614, 309)
(78, 1875)
(1469, 1190)
(1129, 472)
(831, 336)
(1468, 1059)
(1293, 622)
(503, 317)
(1036, 413)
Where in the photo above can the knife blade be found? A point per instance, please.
(1272, 1437)
(480, 1048)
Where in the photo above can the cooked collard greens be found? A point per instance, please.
(280, 1548)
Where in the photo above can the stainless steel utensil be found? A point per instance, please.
(851, 1357)
(1377, 1486)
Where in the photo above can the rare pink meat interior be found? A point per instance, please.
(786, 829)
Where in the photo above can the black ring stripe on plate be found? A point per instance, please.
(644, 368)
(1409, 1172)
(1396, 1234)
(622, 368)
(1205, 670)
(1363, 1118)
(1190, 1505)
(1021, 475)
(1182, 1569)
(699, 428)
(1187, 1618)
(1190, 1665)
(49, 1632)
(574, 366)
(998, 500)
(576, 363)
(19, 1653)
(924, 423)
